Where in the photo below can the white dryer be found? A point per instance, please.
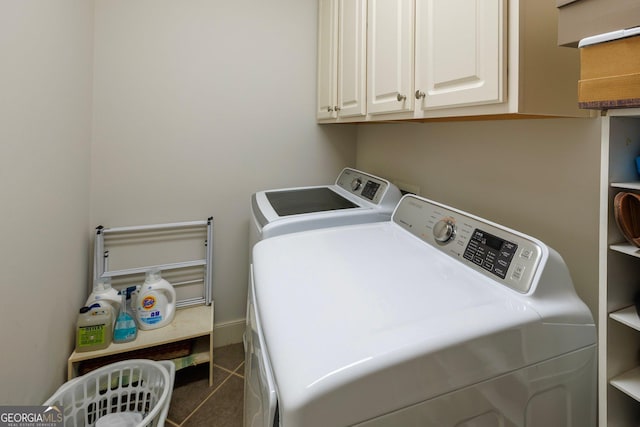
(434, 318)
(356, 197)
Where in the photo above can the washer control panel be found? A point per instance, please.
(504, 255)
(366, 186)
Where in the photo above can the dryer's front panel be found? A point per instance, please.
(260, 394)
(504, 255)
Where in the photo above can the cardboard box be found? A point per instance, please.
(610, 74)
(578, 19)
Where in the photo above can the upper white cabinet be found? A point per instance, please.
(459, 53)
(432, 59)
(390, 59)
(341, 59)
(327, 59)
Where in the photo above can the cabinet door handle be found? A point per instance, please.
(329, 109)
(420, 94)
(336, 108)
(401, 97)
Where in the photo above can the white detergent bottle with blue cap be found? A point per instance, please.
(156, 302)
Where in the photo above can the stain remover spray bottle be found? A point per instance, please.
(125, 329)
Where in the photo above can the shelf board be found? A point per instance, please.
(188, 323)
(626, 248)
(627, 316)
(627, 185)
(628, 383)
(201, 353)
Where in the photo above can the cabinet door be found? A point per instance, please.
(352, 36)
(390, 56)
(459, 52)
(327, 59)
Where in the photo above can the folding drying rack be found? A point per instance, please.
(142, 232)
(194, 323)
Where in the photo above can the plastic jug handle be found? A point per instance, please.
(171, 306)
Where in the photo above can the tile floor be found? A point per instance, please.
(194, 403)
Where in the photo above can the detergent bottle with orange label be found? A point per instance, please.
(156, 302)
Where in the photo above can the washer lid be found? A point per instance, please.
(361, 320)
(307, 200)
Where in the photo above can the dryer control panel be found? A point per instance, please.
(509, 257)
(490, 252)
(367, 187)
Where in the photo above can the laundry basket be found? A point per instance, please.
(130, 393)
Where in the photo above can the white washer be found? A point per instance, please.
(356, 197)
(434, 318)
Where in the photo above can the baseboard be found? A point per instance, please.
(228, 333)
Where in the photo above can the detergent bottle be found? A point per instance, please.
(105, 296)
(156, 302)
(94, 328)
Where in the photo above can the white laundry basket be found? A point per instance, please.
(133, 392)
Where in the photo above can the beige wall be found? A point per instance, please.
(45, 132)
(196, 105)
(540, 177)
(199, 104)
(180, 110)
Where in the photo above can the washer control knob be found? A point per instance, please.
(356, 184)
(444, 230)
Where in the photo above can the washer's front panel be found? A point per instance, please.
(363, 185)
